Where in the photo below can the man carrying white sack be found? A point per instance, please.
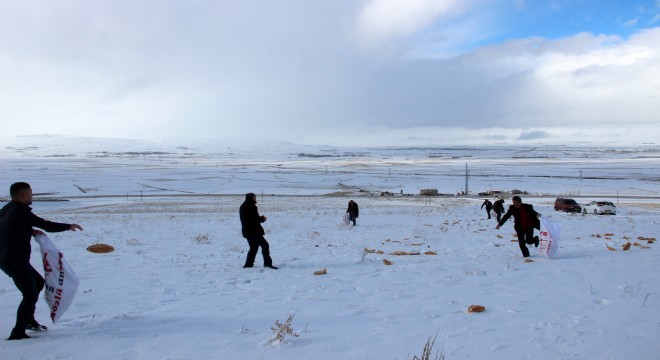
(16, 230)
(526, 219)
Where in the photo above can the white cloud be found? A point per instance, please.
(533, 135)
(631, 23)
(381, 20)
(290, 70)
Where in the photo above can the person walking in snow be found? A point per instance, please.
(353, 211)
(525, 220)
(253, 231)
(488, 206)
(498, 207)
(17, 223)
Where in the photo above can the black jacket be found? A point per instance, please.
(353, 208)
(515, 212)
(250, 219)
(16, 223)
(498, 206)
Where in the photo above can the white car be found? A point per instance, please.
(599, 208)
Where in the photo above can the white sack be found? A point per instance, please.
(548, 238)
(61, 281)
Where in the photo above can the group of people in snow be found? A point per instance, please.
(497, 207)
(17, 227)
(17, 223)
(254, 233)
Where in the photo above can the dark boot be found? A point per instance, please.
(33, 325)
(18, 335)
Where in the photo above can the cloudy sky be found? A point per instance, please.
(344, 72)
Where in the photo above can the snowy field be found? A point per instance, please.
(174, 288)
(90, 167)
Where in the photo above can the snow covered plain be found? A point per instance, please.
(175, 289)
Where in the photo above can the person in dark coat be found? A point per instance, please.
(17, 223)
(353, 211)
(488, 205)
(253, 231)
(525, 220)
(498, 207)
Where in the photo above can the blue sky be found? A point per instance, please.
(505, 20)
(345, 72)
(557, 19)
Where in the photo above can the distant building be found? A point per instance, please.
(497, 194)
(428, 192)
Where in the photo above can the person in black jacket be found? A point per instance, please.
(353, 211)
(525, 220)
(253, 231)
(488, 205)
(498, 207)
(16, 230)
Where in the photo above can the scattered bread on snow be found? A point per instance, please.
(404, 253)
(476, 309)
(100, 248)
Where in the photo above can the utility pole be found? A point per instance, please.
(467, 174)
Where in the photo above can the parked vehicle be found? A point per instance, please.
(600, 208)
(568, 205)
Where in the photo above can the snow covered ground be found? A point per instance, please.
(89, 167)
(174, 288)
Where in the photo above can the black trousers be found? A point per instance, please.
(30, 283)
(525, 237)
(255, 242)
(352, 217)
